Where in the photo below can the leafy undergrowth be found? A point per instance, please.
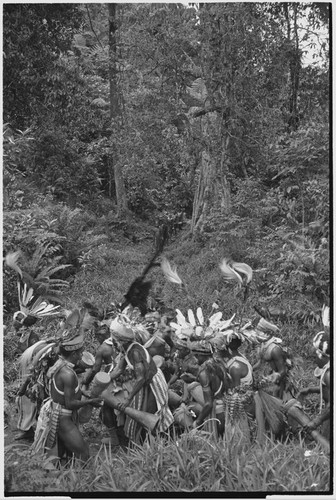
(189, 463)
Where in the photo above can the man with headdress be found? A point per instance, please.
(106, 358)
(209, 381)
(273, 361)
(28, 337)
(239, 399)
(149, 392)
(33, 365)
(208, 376)
(321, 343)
(160, 344)
(27, 407)
(57, 426)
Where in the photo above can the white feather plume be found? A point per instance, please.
(181, 319)
(12, 260)
(242, 268)
(191, 317)
(200, 317)
(229, 273)
(215, 318)
(169, 272)
(227, 323)
(25, 295)
(326, 315)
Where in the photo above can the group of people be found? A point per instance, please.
(188, 372)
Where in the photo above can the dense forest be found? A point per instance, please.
(119, 118)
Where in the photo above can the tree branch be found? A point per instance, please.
(88, 13)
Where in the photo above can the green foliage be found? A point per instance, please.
(57, 163)
(34, 37)
(76, 228)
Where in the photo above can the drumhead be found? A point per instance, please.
(88, 359)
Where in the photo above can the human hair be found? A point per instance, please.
(234, 344)
(103, 330)
(66, 354)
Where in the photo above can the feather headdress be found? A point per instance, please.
(73, 328)
(34, 291)
(321, 340)
(321, 343)
(266, 326)
(127, 326)
(223, 338)
(197, 327)
(326, 316)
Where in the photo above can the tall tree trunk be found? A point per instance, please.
(213, 187)
(115, 112)
(294, 57)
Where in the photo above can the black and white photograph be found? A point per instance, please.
(167, 289)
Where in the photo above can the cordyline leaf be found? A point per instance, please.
(49, 271)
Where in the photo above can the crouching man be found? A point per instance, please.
(321, 344)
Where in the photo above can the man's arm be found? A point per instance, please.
(278, 357)
(119, 369)
(317, 421)
(204, 380)
(325, 414)
(140, 381)
(95, 369)
(309, 390)
(70, 383)
(235, 374)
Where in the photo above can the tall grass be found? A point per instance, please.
(192, 462)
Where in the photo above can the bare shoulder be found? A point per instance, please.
(236, 365)
(67, 375)
(105, 349)
(277, 352)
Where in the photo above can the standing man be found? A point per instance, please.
(27, 409)
(57, 426)
(149, 392)
(239, 400)
(273, 360)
